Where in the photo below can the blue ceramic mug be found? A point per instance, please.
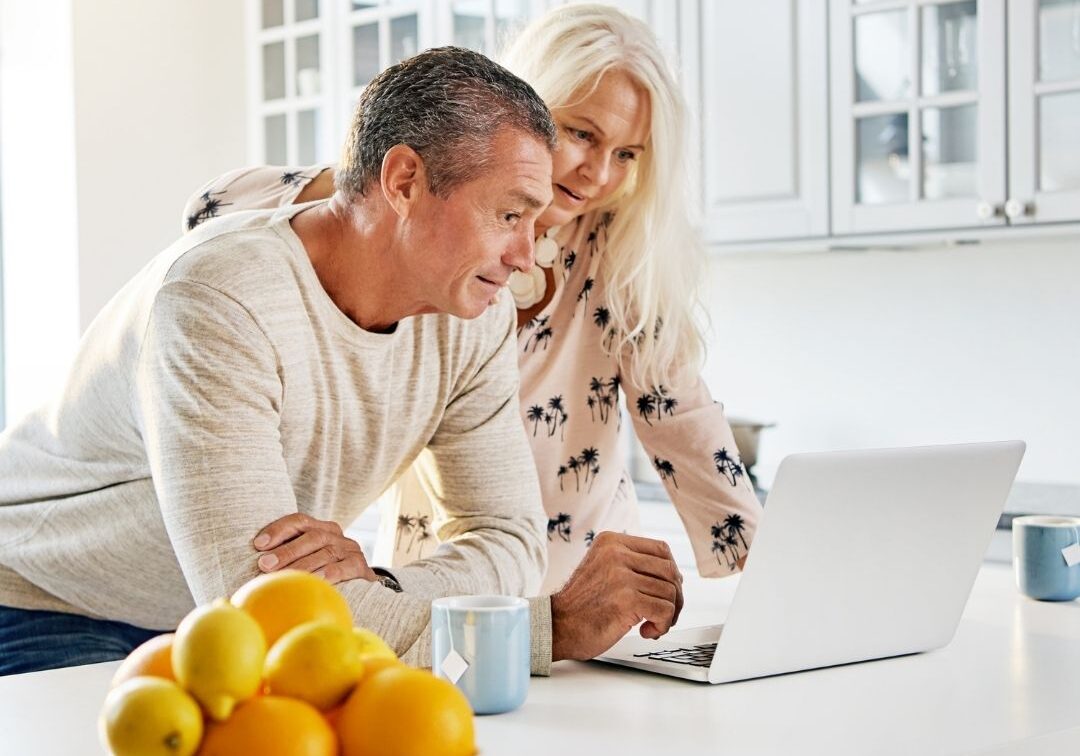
(482, 644)
(1043, 547)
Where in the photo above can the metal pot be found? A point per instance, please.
(747, 435)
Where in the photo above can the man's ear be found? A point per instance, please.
(403, 178)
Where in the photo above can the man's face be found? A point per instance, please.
(466, 246)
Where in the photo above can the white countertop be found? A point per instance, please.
(1009, 683)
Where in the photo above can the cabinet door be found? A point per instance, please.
(291, 90)
(763, 118)
(918, 104)
(1044, 111)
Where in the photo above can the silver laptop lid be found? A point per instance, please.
(864, 554)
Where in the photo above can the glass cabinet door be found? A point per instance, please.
(1044, 113)
(292, 85)
(311, 59)
(918, 103)
(379, 35)
(486, 25)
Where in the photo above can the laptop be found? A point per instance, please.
(859, 555)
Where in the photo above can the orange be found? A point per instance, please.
(371, 666)
(401, 711)
(333, 716)
(151, 659)
(282, 600)
(271, 725)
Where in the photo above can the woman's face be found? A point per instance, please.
(600, 137)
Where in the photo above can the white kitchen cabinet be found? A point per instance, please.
(291, 80)
(1044, 111)
(761, 79)
(918, 115)
(310, 59)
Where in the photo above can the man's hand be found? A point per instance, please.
(622, 580)
(300, 542)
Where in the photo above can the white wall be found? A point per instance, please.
(160, 109)
(113, 111)
(37, 183)
(864, 349)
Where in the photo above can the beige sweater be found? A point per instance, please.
(221, 389)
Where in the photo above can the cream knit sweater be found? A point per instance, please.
(221, 389)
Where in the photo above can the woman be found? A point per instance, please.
(606, 310)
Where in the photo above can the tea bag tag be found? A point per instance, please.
(454, 666)
(1071, 554)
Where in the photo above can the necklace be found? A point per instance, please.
(529, 288)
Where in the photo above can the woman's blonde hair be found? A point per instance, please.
(652, 264)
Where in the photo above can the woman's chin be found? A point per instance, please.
(557, 215)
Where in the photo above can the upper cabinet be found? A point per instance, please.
(761, 84)
(942, 120)
(918, 115)
(1044, 111)
(291, 92)
(310, 59)
(811, 119)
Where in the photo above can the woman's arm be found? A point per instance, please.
(691, 446)
(261, 187)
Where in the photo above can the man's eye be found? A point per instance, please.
(511, 217)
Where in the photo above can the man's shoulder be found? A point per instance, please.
(242, 252)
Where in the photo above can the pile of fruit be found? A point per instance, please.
(279, 670)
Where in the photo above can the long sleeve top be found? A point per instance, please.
(222, 389)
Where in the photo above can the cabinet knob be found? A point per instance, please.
(987, 210)
(1014, 208)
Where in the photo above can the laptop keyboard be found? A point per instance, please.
(695, 656)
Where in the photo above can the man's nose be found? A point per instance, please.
(521, 255)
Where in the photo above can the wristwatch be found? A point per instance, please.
(387, 579)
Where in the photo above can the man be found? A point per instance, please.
(271, 373)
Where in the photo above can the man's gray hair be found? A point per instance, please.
(447, 103)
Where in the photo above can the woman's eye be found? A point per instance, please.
(625, 156)
(580, 134)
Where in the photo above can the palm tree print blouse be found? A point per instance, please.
(571, 392)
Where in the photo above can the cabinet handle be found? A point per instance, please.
(1014, 208)
(987, 210)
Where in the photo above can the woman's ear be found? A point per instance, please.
(403, 178)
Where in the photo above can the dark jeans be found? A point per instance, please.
(33, 640)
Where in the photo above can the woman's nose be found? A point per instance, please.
(597, 169)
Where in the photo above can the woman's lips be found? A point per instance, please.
(572, 196)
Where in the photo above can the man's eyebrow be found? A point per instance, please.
(600, 131)
(530, 201)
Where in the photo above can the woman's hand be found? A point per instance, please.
(300, 542)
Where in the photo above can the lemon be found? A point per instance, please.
(148, 716)
(371, 646)
(218, 657)
(317, 662)
(279, 601)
